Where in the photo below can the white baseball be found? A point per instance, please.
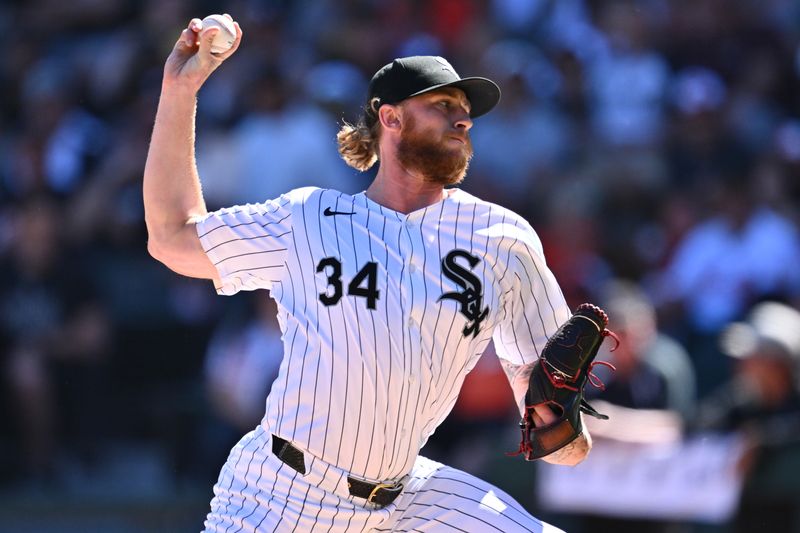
(223, 40)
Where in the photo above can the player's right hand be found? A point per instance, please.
(191, 61)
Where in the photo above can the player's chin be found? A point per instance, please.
(450, 178)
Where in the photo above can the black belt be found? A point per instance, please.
(378, 493)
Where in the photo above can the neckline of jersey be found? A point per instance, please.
(383, 210)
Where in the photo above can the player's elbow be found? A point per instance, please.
(159, 241)
(181, 252)
(156, 249)
(163, 252)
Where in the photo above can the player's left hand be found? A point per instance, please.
(543, 415)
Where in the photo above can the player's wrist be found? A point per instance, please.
(176, 87)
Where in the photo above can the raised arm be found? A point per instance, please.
(571, 454)
(172, 194)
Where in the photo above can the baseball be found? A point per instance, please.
(223, 40)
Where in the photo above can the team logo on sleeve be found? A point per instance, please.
(471, 297)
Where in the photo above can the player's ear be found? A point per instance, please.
(389, 115)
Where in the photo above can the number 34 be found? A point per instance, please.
(368, 275)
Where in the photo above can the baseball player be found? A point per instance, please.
(387, 298)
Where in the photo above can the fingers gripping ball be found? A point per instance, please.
(225, 37)
(558, 379)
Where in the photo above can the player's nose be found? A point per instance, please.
(463, 122)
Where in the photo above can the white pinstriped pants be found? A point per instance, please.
(257, 492)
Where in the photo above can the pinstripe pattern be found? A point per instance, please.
(443, 499)
(273, 497)
(361, 389)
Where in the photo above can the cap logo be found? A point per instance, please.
(446, 66)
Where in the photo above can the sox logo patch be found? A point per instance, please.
(471, 297)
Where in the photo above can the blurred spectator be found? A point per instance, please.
(762, 400)
(653, 382)
(284, 142)
(653, 371)
(454, 22)
(756, 98)
(336, 86)
(61, 138)
(55, 338)
(627, 80)
(745, 252)
(571, 241)
(701, 149)
(525, 124)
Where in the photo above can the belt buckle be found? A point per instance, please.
(379, 486)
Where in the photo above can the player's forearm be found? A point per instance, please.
(172, 193)
(573, 453)
(518, 377)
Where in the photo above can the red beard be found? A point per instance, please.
(433, 159)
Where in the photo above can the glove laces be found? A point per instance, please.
(591, 376)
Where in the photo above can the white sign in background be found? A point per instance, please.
(696, 479)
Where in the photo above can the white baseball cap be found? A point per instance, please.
(768, 325)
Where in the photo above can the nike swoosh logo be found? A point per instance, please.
(329, 213)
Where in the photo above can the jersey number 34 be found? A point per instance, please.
(364, 283)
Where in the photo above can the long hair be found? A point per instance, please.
(358, 144)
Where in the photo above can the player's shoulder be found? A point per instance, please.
(493, 214)
(313, 195)
(301, 195)
(489, 210)
(499, 222)
(283, 205)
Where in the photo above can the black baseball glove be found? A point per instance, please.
(558, 379)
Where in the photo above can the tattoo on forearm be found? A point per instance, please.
(515, 372)
(572, 453)
(518, 377)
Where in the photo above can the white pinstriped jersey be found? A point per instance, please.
(383, 314)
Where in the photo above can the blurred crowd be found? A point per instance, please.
(653, 144)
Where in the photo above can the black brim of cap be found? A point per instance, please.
(482, 93)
